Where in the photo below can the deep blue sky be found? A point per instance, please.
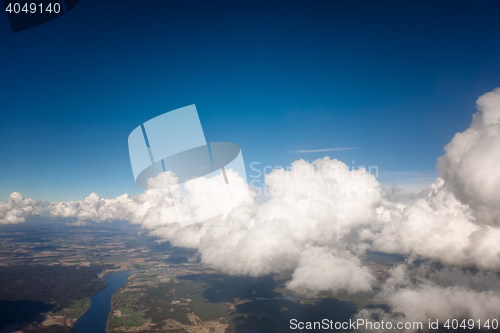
(395, 79)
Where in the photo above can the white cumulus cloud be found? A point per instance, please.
(312, 223)
(18, 209)
(470, 165)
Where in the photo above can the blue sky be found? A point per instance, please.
(395, 79)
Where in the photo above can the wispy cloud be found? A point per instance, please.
(408, 175)
(321, 150)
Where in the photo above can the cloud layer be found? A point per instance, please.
(438, 227)
(322, 217)
(470, 165)
(17, 209)
(455, 221)
(427, 293)
(310, 225)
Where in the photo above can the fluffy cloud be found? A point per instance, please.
(94, 208)
(327, 269)
(439, 227)
(311, 224)
(453, 221)
(17, 209)
(470, 165)
(424, 293)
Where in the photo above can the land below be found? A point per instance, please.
(50, 270)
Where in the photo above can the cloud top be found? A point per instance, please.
(17, 209)
(470, 165)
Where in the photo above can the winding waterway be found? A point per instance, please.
(94, 320)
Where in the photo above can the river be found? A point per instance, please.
(94, 320)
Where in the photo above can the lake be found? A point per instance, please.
(94, 320)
